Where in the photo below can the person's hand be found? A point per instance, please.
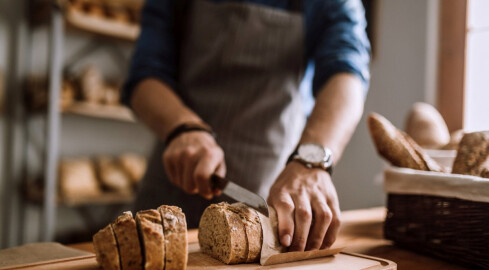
(307, 207)
(190, 160)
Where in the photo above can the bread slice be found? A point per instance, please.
(397, 147)
(152, 239)
(175, 230)
(473, 155)
(106, 249)
(222, 234)
(251, 221)
(127, 238)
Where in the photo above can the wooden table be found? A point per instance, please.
(362, 233)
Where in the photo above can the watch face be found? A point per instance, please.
(312, 153)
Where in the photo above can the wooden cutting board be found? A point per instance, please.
(198, 260)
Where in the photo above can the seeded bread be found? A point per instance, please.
(152, 239)
(106, 249)
(127, 238)
(397, 147)
(222, 234)
(253, 230)
(175, 230)
(473, 155)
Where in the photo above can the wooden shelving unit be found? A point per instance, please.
(64, 14)
(113, 112)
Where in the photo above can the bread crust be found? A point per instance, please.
(473, 155)
(397, 147)
(106, 249)
(127, 239)
(251, 221)
(222, 234)
(175, 231)
(152, 239)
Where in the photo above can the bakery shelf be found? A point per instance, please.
(102, 199)
(114, 112)
(100, 24)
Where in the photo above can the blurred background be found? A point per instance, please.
(434, 51)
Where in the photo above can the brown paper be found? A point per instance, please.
(272, 252)
(37, 254)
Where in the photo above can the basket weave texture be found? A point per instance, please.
(451, 229)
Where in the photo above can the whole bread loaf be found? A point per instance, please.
(473, 155)
(426, 126)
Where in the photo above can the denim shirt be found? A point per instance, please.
(335, 41)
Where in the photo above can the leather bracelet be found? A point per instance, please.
(188, 127)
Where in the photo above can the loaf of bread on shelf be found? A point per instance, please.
(128, 241)
(152, 239)
(426, 126)
(134, 165)
(397, 147)
(175, 230)
(230, 233)
(473, 155)
(105, 246)
(77, 178)
(92, 85)
(112, 175)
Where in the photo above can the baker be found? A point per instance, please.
(218, 83)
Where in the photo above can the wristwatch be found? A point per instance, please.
(313, 155)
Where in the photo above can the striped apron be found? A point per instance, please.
(240, 69)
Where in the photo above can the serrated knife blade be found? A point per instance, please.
(240, 194)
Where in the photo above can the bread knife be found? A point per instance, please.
(239, 194)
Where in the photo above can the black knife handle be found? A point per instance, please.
(218, 182)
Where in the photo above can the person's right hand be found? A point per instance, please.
(190, 159)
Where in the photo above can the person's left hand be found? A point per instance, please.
(307, 207)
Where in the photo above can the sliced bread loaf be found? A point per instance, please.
(175, 231)
(222, 234)
(253, 230)
(127, 238)
(152, 239)
(106, 250)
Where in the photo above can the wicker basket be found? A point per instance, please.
(438, 214)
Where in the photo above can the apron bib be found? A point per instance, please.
(240, 69)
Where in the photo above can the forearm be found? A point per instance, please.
(338, 109)
(156, 105)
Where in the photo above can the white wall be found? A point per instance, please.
(402, 70)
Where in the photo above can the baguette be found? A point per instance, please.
(152, 239)
(127, 238)
(175, 231)
(397, 147)
(106, 249)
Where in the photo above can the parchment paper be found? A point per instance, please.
(274, 253)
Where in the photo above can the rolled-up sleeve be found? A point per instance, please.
(342, 45)
(155, 54)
